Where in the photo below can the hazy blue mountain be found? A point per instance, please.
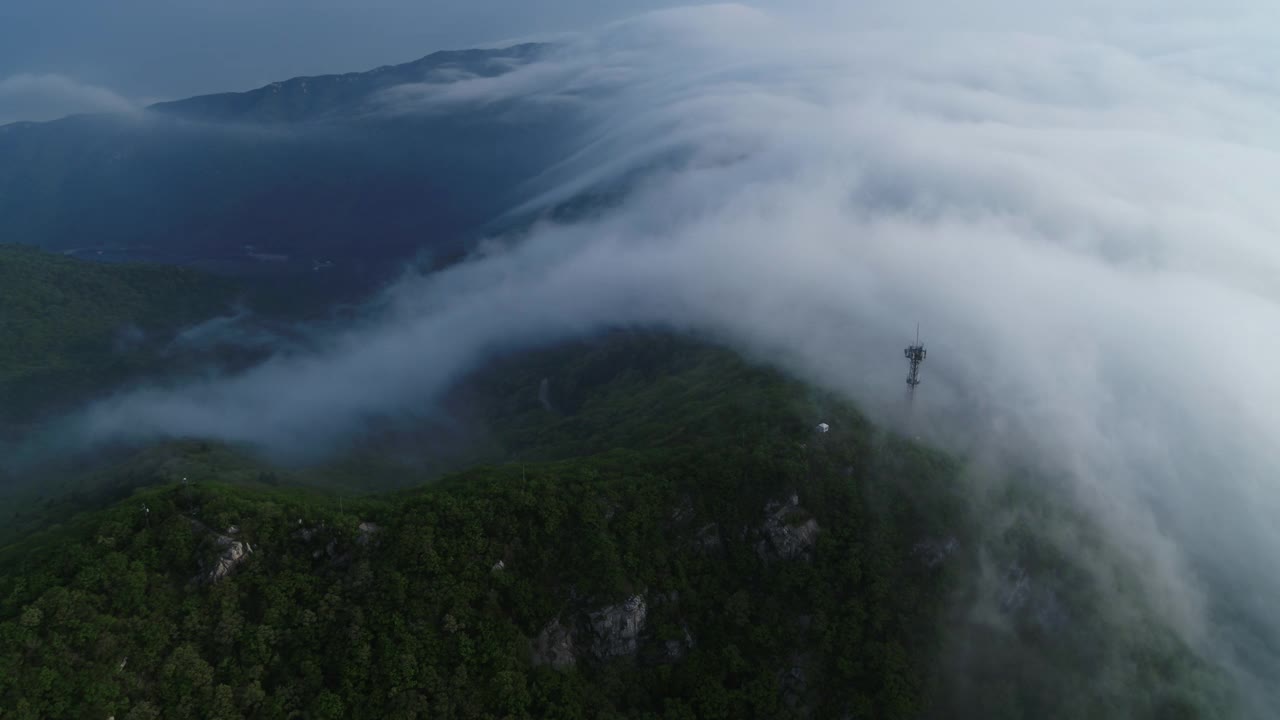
(326, 96)
(312, 169)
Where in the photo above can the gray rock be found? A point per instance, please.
(234, 552)
(676, 649)
(610, 632)
(794, 684)
(367, 532)
(616, 629)
(935, 552)
(789, 532)
(231, 553)
(794, 690)
(554, 646)
(708, 537)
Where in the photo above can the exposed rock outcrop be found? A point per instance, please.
(789, 531)
(554, 646)
(337, 550)
(794, 685)
(675, 649)
(616, 629)
(330, 549)
(234, 552)
(933, 552)
(231, 553)
(708, 538)
(610, 632)
(367, 533)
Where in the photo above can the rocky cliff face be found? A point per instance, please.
(554, 646)
(708, 538)
(231, 552)
(616, 629)
(368, 532)
(675, 649)
(789, 531)
(608, 632)
(234, 552)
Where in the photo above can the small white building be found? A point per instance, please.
(823, 427)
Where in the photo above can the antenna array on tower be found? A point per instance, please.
(915, 354)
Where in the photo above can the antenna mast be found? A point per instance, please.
(915, 355)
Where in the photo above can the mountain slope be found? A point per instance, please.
(326, 169)
(328, 96)
(71, 328)
(724, 559)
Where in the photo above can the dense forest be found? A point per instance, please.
(72, 327)
(638, 525)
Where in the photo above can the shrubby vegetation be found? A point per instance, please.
(634, 465)
(417, 622)
(109, 613)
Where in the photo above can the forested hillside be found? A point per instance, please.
(71, 327)
(636, 525)
(732, 562)
(433, 608)
(75, 330)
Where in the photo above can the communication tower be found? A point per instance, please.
(915, 355)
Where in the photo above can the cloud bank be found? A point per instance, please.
(45, 97)
(1079, 215)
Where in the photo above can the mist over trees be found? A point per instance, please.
(639, 264)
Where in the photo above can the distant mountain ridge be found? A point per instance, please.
(306, 97)
(293, 176)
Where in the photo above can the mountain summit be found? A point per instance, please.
(296, 175)
(324, 96)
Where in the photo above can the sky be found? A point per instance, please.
(57, 58)
(1077, 206)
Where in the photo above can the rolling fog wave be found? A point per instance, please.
(1079, 216)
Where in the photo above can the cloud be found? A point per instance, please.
(1079, 216)
(239, 331)
(46, 97)
(451, 90)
